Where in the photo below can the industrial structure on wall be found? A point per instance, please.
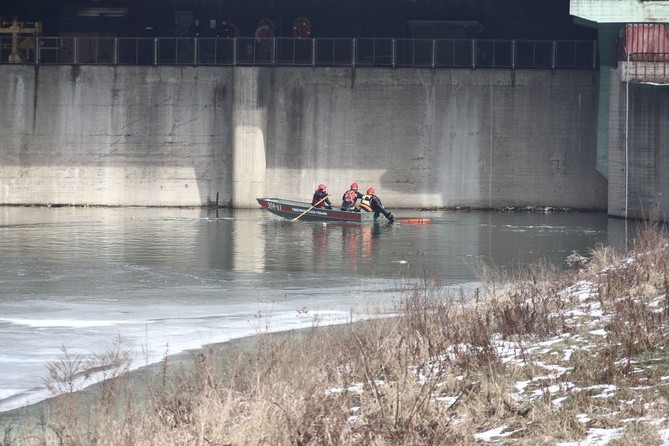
(462, 19)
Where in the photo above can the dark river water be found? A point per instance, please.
(166, 280)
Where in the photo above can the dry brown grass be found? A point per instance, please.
(527, 355)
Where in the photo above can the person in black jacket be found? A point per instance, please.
(371, 203)
(320, 198)
(224, 30)
(195, 30)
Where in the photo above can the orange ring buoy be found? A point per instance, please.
(302, 28)
(415, 221)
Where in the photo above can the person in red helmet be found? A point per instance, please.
(371, 203)
(350, 197)
(320, 198)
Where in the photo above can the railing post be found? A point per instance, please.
(594, 54)
(513, 54)
(37, 50)
(374, 51)
(234, 51)
(115, 50)
(434, 52)
(155, 51)
(76, 51)
(313, 51)
(195, 50)
(394, 56)
(554, 55)
(354, 53)
(473, 54)
(292, 62)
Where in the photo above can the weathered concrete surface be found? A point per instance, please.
(179, 136)
(115, 135)
(437, 137)
(639, 149)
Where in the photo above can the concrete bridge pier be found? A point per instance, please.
(633, 140)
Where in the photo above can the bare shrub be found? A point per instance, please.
(628, 292)
(576, 260)
(67, 374)
(637, 433)
(603, 257)
(528, 302)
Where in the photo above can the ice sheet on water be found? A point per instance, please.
(74, 323)
(166, 320)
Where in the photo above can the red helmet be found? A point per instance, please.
(370, 190)
(321, 187)
(354, 186)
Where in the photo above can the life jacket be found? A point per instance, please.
(350, 196)
(366, 202)
(318, 196)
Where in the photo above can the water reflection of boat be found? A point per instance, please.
(290, 209)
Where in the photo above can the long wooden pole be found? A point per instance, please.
(313, 206)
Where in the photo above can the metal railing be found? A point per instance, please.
(646, 67)
(285, 51)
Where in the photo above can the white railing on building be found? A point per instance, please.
(646, 67)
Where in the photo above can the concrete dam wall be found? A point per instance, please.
(186, 136)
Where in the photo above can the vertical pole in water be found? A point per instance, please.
(627, 124)
(492, 142)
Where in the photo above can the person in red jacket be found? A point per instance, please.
(350, 197)
(320, 198)
(371, 203)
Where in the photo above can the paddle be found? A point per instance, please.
(313, 206)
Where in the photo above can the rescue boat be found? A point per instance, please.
(290, 210)
(299, 210)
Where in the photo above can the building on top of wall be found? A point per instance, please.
(625, 26)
